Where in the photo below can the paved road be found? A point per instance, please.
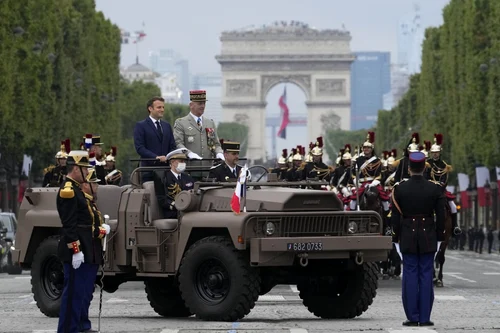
(469, 301)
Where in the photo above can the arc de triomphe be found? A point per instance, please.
(254, 61)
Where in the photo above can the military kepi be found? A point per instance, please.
(179, 154)
(417, 160)
(78, 157)
(231, 146)
(198, 95)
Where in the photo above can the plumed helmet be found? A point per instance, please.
(282, 158)
(318, 149)
(438, 141)
(370, 140)
(414, 141)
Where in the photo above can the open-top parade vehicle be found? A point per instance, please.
(211, 262)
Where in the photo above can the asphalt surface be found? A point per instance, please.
(469, 301)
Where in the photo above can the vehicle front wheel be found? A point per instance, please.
(47, 277)
(216, 280)
(342, 296)
(165, 298)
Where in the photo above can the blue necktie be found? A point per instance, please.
(198, 122)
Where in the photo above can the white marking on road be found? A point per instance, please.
(449, 298)
(462, 278)
(294, 288)
(492, 273)
(298, 330)
(452, 273)
(271, 298)
(26, 296)
(116, 300)
(23, 277)
(44, 331)
(166, 330)
(409, 329)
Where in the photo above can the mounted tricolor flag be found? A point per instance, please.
(88, 141)
(240, 191)
(285, 115)
(482, 178)
(463, 184)
(92, 160)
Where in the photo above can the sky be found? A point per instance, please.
(193, 28)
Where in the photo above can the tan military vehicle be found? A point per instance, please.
(211, 262)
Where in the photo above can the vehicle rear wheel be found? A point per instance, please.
(343, 296)
(165, 298)
(47, 277)
(216, 280)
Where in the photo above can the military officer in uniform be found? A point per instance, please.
(402, 164)
(172, 182)
(318, 169)
(93, 145)
(229, 170)
(415, 202)
(54, 175)
(342, 177)
(390, 172)
(113, 175)
(198, 134)
(77, 246)
(295, 172)
(282, 165)
(438, 172)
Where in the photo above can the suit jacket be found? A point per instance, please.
(415, 202)
(222, 173)
(149, 144)
(167, 186)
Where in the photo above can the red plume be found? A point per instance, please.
(311, 146)
(417, 137)
(347, 146)
(91, 155)
(302, 150)
(427, 145)
(341, 152)
(221, 141)
(285, 153)
(420, 148)
(319, 139)
(385, 153)
(394, 153)
(371, 137)
(294, 151)
(67, 146)
(439, 139)
(113, 151)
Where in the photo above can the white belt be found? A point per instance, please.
(367, 179)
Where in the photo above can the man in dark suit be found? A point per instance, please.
(153, 137)
(415, 202)
(172, 182)
(229, 170)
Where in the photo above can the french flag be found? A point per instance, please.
(482, 178)
(239, 191)
(285, 113)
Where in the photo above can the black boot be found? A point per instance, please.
(454, 225)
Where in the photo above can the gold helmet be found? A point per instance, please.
(392, 158)
(339, 156)
(282, 158)
(347, 152)
(438, 141)
(309, 156)
(370, 140)
(318, 150)
(64, 149)
(111, 156)
(426, 148)
(299, 152)
(292, 154)
(413, 145)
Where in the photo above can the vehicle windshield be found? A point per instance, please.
(7, 222)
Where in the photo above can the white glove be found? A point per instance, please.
(375, 183)
(78, 260)
(107, 227)
(192, 155)
(220, 156)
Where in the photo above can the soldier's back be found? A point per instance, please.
(417, 196)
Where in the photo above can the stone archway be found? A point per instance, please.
(254, 60)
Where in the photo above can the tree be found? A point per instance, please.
(234, 132)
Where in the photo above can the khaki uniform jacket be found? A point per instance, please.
(203, 141)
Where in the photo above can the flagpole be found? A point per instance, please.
(244, 189)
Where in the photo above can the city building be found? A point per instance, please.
(138, 72)
(170, 89)
(169, 61)
(370, 82)
(212, 83)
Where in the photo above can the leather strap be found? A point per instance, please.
(395, 202)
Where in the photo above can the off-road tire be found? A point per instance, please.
(165, 298)
(218, 252)
(357, 290)
(49, 305)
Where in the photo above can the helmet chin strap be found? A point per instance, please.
(85, 180)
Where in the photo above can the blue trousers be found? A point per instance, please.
(418, 290)
(77, 294)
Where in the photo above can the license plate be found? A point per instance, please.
(307, 246)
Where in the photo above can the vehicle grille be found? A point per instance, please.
(303, 226)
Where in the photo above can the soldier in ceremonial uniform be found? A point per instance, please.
(80, 247)
(402, 164)
(426, 148)
(308, 159)
(438, 172)
(282, 165)
(390, 172)
(229, 170)
(415, 202)
(342, 177)
(172, 182)
(198, 134)
(319, 169)
(54, 175)
(369, 171)
(93, 144)
(113, 175)
(296, 172)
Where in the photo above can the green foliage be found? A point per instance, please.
(456, 93)
(337, 139)
(60, 78)
(234, 132)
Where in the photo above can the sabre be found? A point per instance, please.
(106, 220)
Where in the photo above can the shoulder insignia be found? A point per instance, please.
(67, 192)
(435, 182)
(48, 169)
(448, 167)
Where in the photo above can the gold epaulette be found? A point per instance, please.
(428, 165)
(48, 169)
(448, 167)
(67, 192)
(302, 166)
(396, 162)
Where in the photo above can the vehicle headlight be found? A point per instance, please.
(352, 227)
(269, 228)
